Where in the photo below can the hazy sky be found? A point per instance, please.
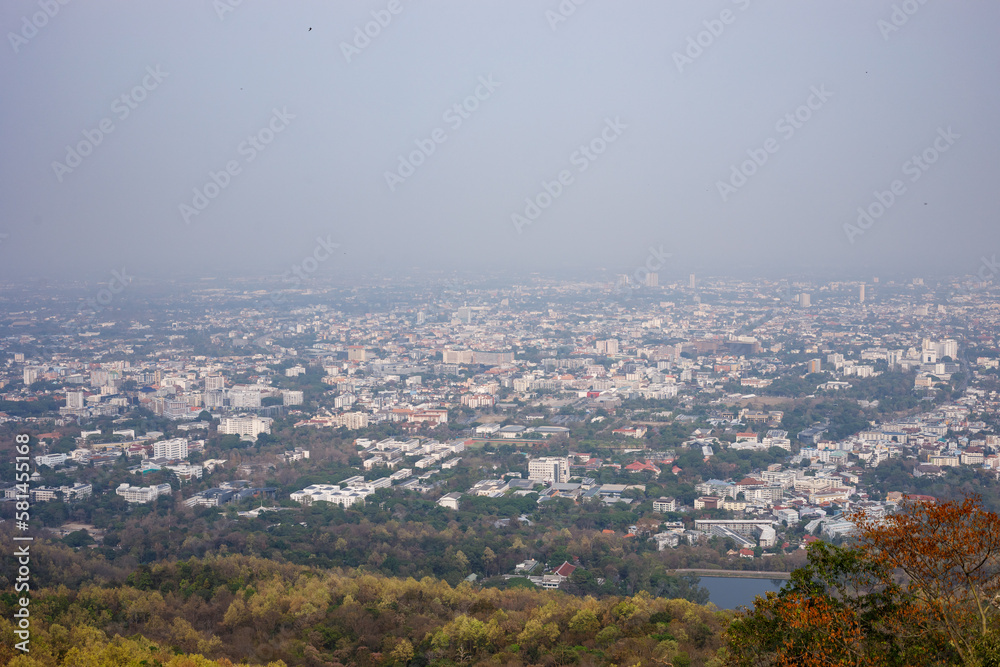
(828, 101)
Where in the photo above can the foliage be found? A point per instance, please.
(238, 608)
(918, 587)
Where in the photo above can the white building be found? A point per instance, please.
(51, 460)
(251, 425)
(450, 500)
(74, 400)
(331, 493)
(665, 505)
(143, 494)
(291, 397)
(175, 448)
(215, 383)
(552, 469)
(244, 397)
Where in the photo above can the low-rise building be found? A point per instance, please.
(142, 494)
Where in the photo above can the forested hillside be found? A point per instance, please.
(242, 608)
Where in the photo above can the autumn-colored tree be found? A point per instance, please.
(949, 554)
(918, 587)
(841, 609)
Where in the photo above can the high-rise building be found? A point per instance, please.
(815, 365)
(30, 376)
(691, 281)
(861, 293)
(74, 400)
(175, 448)
(421, 318)
(214, 382)
(652, 279)
(552, 469)
(609, 347)
(805, 300)
(929, 354)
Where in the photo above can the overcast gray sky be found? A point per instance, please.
(666, 98)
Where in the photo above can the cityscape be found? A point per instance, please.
(517, 334)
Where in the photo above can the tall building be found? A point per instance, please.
(421, 318)
(214, 399)
(356, 353)
(608, 347)
(74, 400)
(805, 300)
(175, 448)
(215, 382)
(929, 354)
(815, 365)
(652, 279)
(551, 469)
(30, 375)
(244, 396)
(691, 281)
(861, 293)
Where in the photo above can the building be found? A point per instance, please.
(805, 300)
(608, 347)
(244, 396)
(74, 400)
(291, 397)
(492, 358)
(450, 500)
(815, 365)
(30, 376)
(665, 505)
(175, 448)
(250, 426)
(550, 469)
(215, 383)
(331, 493)
(143, 494)
(68, 493)
(50, 460)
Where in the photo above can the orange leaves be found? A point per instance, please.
(950, 555)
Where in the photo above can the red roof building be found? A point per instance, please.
(565, 569)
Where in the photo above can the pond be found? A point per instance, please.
(732, 592)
